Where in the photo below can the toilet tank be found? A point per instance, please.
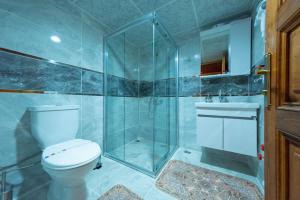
(52, 124)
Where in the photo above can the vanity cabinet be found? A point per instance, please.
(240, 136)
(228, 126)
(214, 126)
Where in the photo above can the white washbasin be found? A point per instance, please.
(227, 106)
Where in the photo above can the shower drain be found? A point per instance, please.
(187, 152)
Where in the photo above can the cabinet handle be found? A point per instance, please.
(266, 71)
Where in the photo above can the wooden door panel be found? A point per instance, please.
(294, 173)
(294, 66)
(288, 122)
(283, 116)
(287, 108)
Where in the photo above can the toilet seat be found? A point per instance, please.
(70, 154)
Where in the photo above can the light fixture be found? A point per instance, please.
(196, 56)
(55, 39)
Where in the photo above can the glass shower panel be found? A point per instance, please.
(140, 95)
(138, 106)
(115, 101)
(172, 94)
(161, 100)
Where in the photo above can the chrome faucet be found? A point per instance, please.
(222, 98)
(208, 99)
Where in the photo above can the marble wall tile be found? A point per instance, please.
(233, 85)
(189, 57)
(257, 84)
(145, 88)
(258, 34)
(211, 86)
(92, 44)
(127, 87)
(24, 73)
(131, 109)
(92, 82)
(28, 28)
(21, 35)
(112, 86)
(92, 119)
(20, 72)
(171, 87)
(237, 86)
(115, 118)
(160, 88)
(189, 86)
(187, 122)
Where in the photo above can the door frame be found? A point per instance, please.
(282, 17)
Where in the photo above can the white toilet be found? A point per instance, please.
(67, 160)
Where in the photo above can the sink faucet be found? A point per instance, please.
(208, 99)
(222, 98)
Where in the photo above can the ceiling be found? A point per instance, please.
(180, 17)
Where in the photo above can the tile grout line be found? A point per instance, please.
(134, 5)
(195, 14)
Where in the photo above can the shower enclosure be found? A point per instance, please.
(141, 66)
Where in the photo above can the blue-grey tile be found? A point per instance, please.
(232, 85)
(257, 84)
(112, 85)
(92, 82)
(25, 73)
(128, 88)
(145, 88)
(237, 86)
(171, 87)
(160, 88)
(189, 86)
(211, 86)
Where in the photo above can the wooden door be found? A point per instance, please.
(282, 132)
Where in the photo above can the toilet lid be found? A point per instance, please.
(70, 154)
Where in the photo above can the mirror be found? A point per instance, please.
(215, 51)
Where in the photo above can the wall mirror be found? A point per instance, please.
(215, 51)
(226, 49)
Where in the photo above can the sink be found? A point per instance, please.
(228, 106)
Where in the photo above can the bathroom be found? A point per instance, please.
(133, 99)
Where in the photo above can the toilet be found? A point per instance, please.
(67, 160)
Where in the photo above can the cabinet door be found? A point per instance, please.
(240, 47)
(210, 132)
(240, 136)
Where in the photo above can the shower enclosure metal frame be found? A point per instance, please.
(153, 18)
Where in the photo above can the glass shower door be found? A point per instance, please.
(164, 104)
(115, 102)
(140, 96)
(138, 115)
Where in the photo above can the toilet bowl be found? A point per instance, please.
(67, 164)
(67, 160)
